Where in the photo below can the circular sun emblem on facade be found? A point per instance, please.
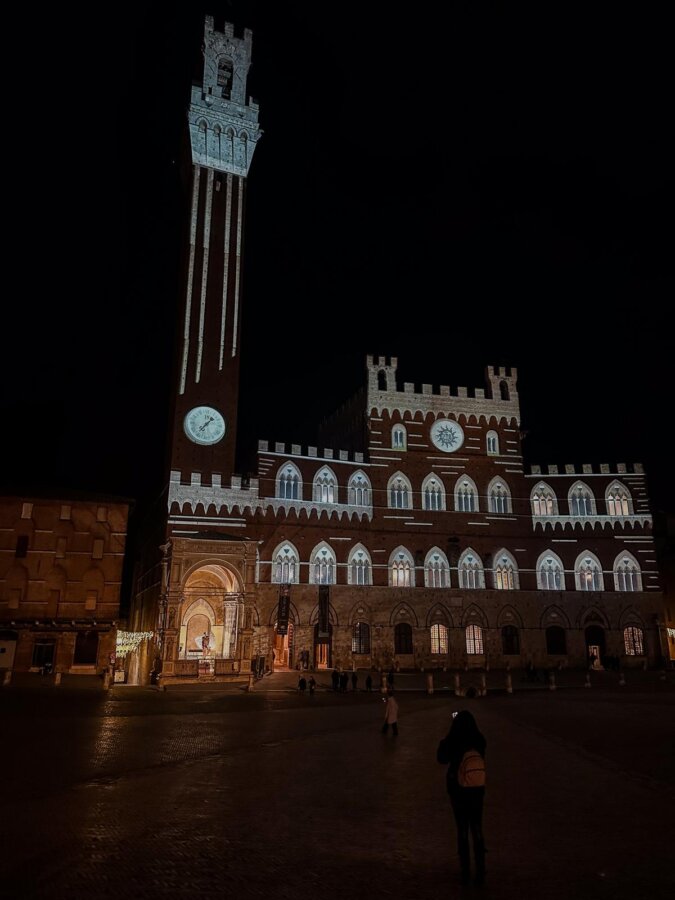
(447, 435)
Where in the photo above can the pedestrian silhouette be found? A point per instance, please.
(369, 683)
(302, 684)
(335, 678)
(463, 751)
(312, 684)
(355, 680)
(390, 713)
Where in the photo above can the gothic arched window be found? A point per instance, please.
(322, 565)
(400, 492)
(466, 495)
(433, 493)
(285, 567)
(499, 496)
(325, 486)
(289, 483)
(470, 568)
(398, 437)
(359, 490)
(588, 573)
(436, 569)
(505, 572)
(544, 501)
(401, 569)
(619, 501)
(550, 573)
(627, 575)
(581, 500)
(359, 566)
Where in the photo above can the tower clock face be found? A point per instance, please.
(447, 435)
(204, 425)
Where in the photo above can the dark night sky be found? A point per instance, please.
(463, 185)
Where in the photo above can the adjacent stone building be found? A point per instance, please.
(60, 577)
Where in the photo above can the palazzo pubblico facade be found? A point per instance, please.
(413, 537)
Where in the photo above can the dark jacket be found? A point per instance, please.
(453, 747)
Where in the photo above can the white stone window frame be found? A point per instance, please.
(431, 477)
(399, 433)
(492, 436)
(353, 553)
(590, 501)
(618, 487)
(399, 554)
(619, 577)
(392, 483)
(496, 482)
(541, 586)
(280, 547)
(444, 568)
(542, 488)
(459, 484)
(283, 470)
(580, 560)
(318, 486)
(359, 481)
(479, 571)
(320, 554)
(504, 556)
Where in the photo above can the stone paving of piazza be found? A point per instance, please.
(203, 793)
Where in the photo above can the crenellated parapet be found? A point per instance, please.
(324, 454)
(223, 124)
(231, 497)
(619, 469)
(499, 399)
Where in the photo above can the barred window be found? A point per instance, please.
(361, 637)
(510, 641)
(474, 639)
(439, 639)
(633, 641)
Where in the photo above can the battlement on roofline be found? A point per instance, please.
(498, 398)
(619, 469)
(278, 447)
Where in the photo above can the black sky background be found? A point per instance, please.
(461, 185)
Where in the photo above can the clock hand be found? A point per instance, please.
(206, 423)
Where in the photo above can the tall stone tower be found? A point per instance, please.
(224, 131)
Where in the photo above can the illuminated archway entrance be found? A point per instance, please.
(283, 648)
(209, 617)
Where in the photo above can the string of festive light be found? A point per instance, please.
(128, 641)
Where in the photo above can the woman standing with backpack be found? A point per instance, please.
(463, 751)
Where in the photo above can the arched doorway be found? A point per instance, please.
(595, 645)
(209, 618)
(283, 648)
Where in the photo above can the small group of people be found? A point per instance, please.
(340, 681)
(304, 683)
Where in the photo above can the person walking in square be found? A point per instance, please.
(390, 714)
(355, 680)
(463, 751)
(369, 682)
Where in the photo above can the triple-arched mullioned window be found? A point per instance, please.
(324, 488)
(401, 568)
(581, 500)
(588, 573)
(466, 495)
(618, 499)
(505, 572)
(289, 482)
(544, 501)
(627, 575)
(399, 491)
(550, 572)
(436, 569)
(433, 493)
(322, 565)
(285, 565)
(470, 571)
(359, 490)
(499, 496)
(359, 566)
